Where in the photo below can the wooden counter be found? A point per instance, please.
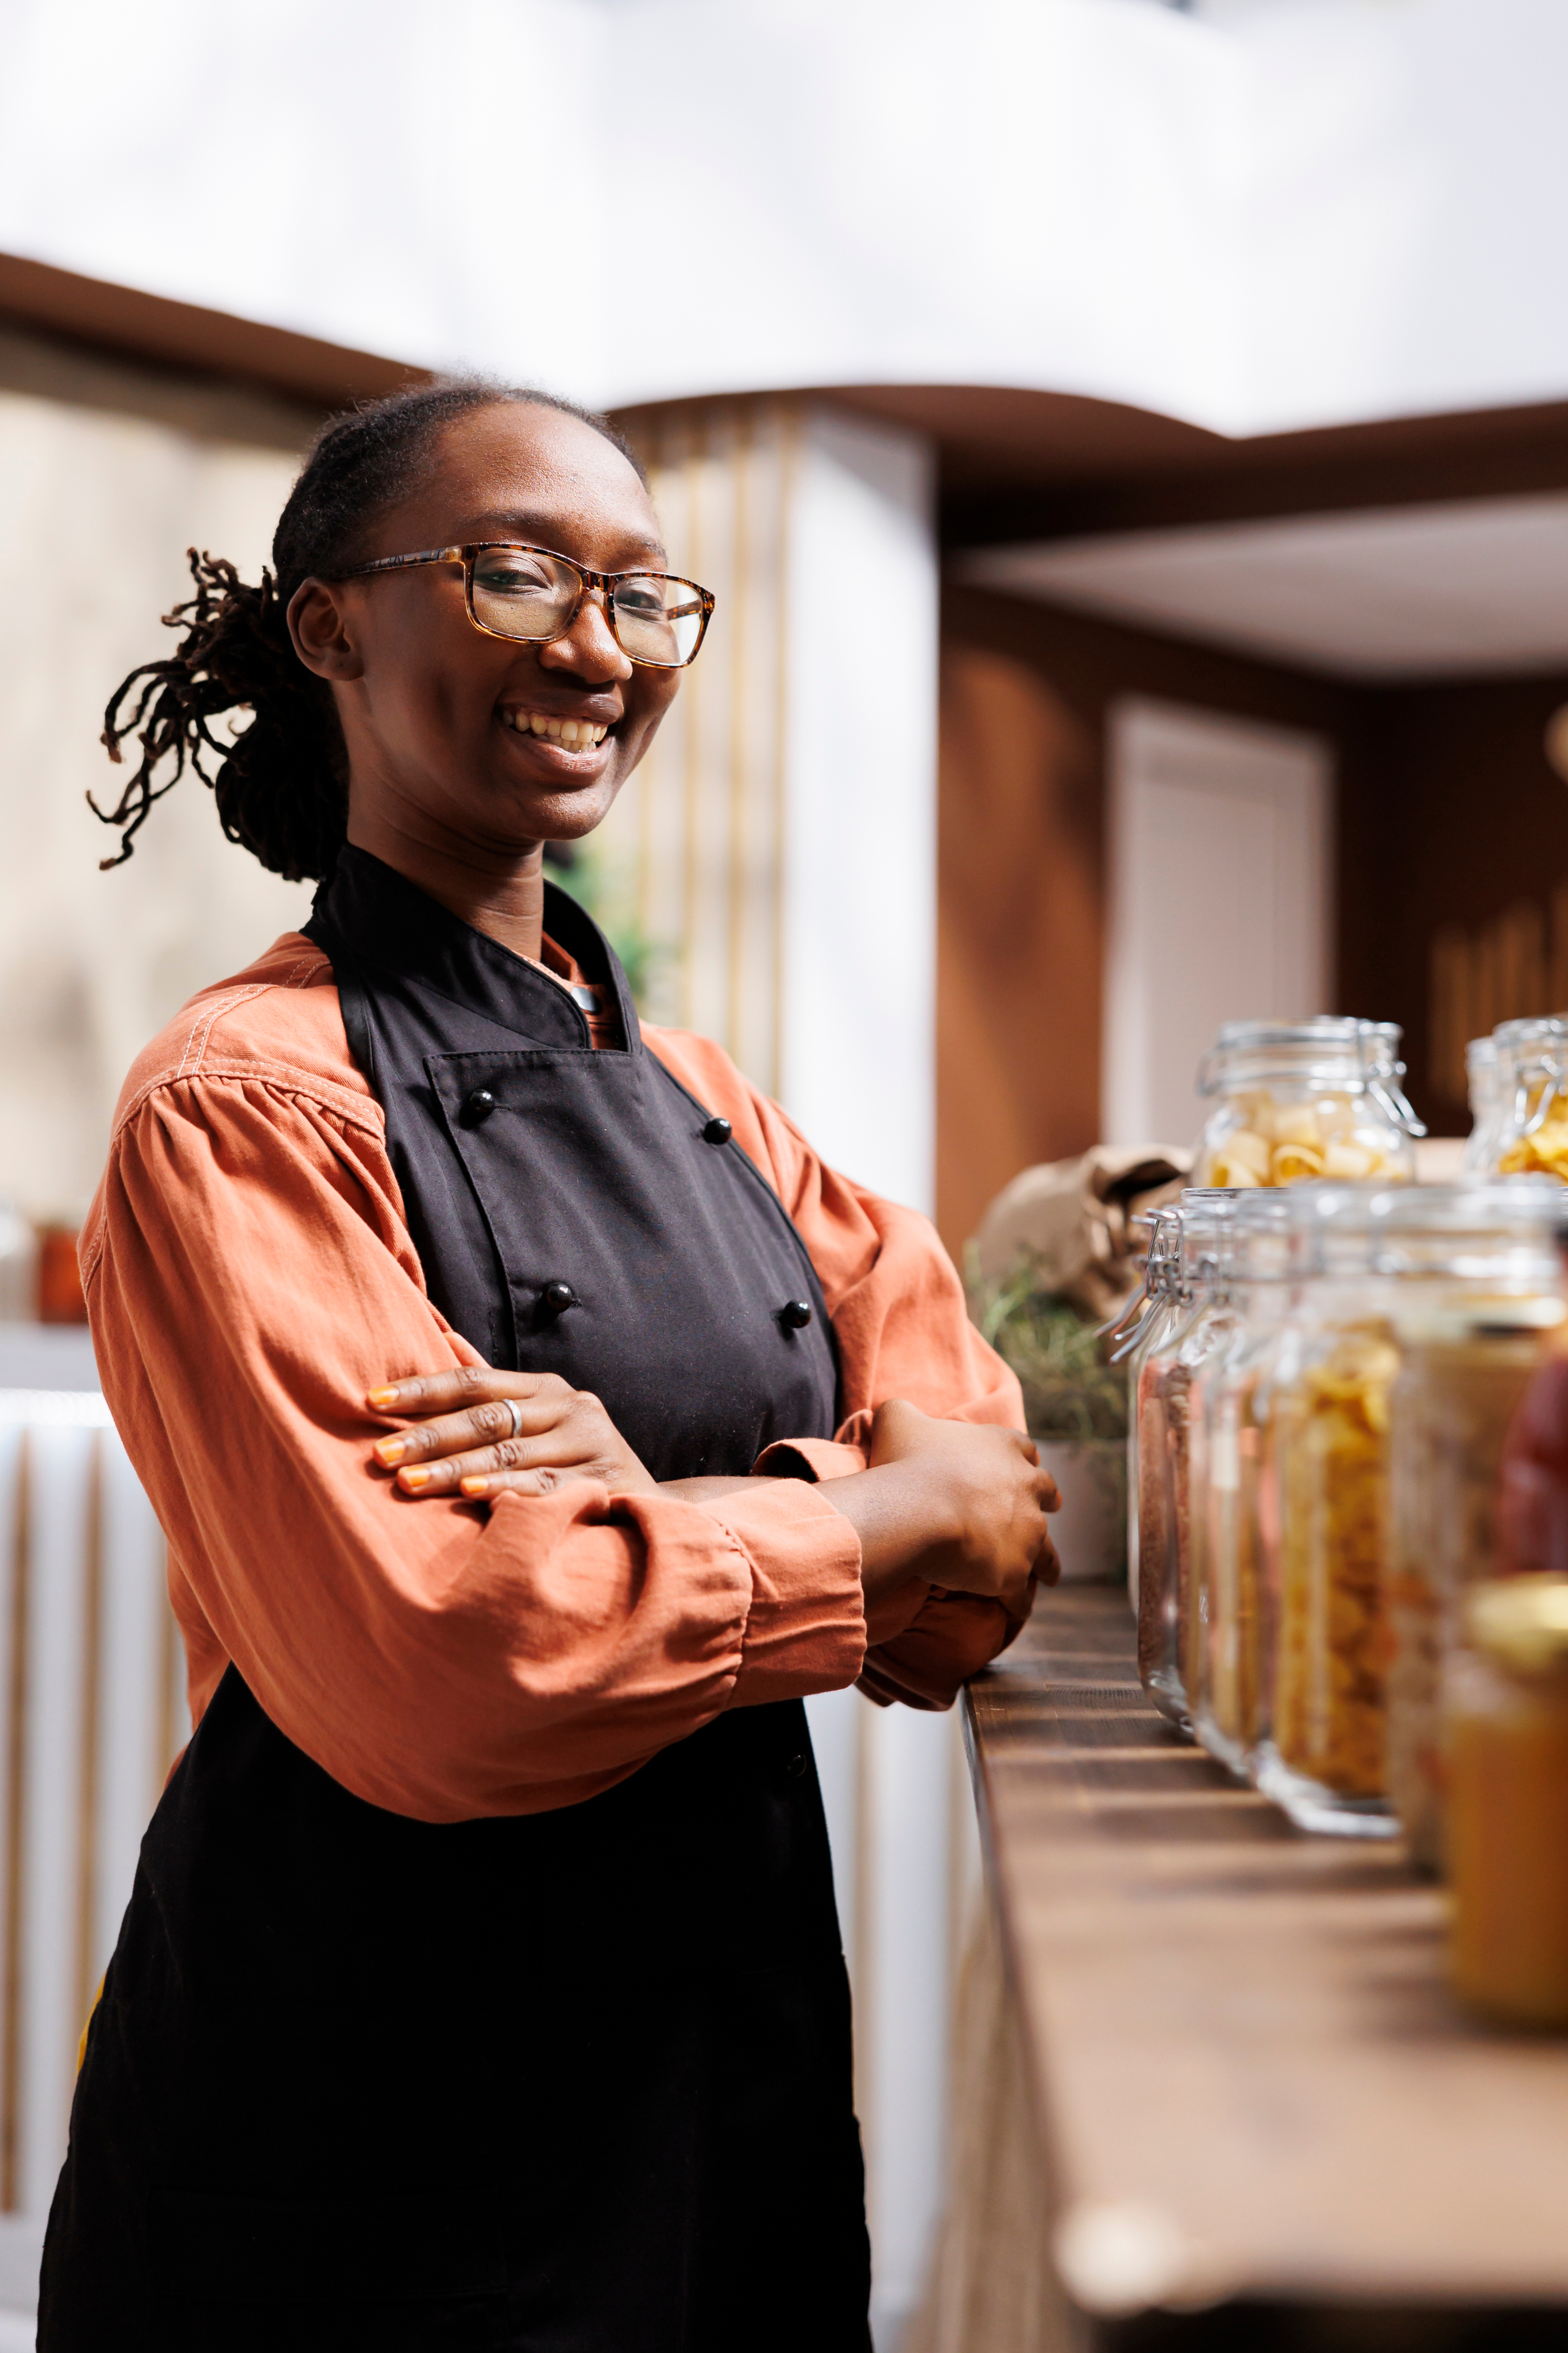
(1250, 2085)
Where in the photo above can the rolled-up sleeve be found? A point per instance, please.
(250, 1276)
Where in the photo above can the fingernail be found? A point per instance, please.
(414, 1478)
(474, 1486)
(391, 1450)
(380, 1396)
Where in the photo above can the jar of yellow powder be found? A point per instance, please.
(1507, 1747)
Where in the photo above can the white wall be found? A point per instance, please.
(1261, 213)
(1218, 856)
(859, 1067)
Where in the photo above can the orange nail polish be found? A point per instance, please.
(474, 1486)
(382, 1396)
(414, 1478)
(389, 1450)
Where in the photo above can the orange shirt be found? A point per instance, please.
(249, 1275)
(597, 1003)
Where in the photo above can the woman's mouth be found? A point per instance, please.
(569, 735)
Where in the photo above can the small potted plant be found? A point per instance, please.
(1075, 1408)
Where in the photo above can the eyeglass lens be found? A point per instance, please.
(521, 592)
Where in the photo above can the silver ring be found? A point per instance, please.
(515, 1406)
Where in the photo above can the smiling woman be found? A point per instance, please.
(534, 1421)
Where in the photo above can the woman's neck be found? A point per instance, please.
(504, 901)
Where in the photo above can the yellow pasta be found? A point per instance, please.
(1332, 1436)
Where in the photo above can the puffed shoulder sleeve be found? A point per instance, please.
(250, 1276)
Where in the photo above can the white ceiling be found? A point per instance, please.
(1469, 589)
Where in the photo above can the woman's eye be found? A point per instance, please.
(640, 604)
(512, 577)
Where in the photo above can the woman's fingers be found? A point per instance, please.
(504, 1417)
(542, 1482)
(553, 1451)
(475, 1431)
(463, 1384)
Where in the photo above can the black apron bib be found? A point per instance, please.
(576, 2082)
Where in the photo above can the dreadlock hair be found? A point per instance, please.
(281, 782)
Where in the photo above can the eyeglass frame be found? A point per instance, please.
(601, 582)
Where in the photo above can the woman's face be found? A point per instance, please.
(439, 718)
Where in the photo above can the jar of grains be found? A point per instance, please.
(1299, 1100)
(1507, 1751)
(1325, 1523)
(1477, 1282)
(1529, 1133)
(1203, 1321)
(1228, 1636)
(1485, 1092)
(1138, 1329)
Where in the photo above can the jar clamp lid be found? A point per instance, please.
(1332, 1052)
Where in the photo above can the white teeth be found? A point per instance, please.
(572, 734)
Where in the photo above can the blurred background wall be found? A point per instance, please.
(107, 475)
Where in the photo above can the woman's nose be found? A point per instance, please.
(589, 648)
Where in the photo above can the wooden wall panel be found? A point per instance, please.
(1025, 694)
(1019, 923)
(1456, 855)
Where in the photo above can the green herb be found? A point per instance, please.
(1069, 1390)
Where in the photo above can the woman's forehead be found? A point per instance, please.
(511, 470)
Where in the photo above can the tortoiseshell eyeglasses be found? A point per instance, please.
(535, 595)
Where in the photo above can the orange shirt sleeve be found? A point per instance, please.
(903, 1330)
(249, 1276)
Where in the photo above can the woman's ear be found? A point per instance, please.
(323, 639)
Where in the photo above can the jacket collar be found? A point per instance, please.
(394, 929)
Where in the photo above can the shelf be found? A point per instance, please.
(1250, 2079)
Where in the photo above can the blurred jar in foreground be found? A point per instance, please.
(1485, 1086)
(1326, 1524)
(1528, 1130)
(1301, 1101)
(1477, 1283)
(1506, 1746)
(1140, 1330)
(1202, 1323)
(1227, 1642)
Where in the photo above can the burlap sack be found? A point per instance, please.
(1074, 1218)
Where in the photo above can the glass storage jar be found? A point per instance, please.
(1481, 1072)
(1530, 1124)
(1477, 1283)
(1301, 1101)
(1506, 1747)
(1325, 1525)
(1202, 1323)
(1139, 1330)
(1228, 1642)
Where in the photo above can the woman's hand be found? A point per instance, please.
(490, 1433)
(962, 1505)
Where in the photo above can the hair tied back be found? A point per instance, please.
(236, 655)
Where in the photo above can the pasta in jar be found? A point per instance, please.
(1305, 1101)
(1331, 1446)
